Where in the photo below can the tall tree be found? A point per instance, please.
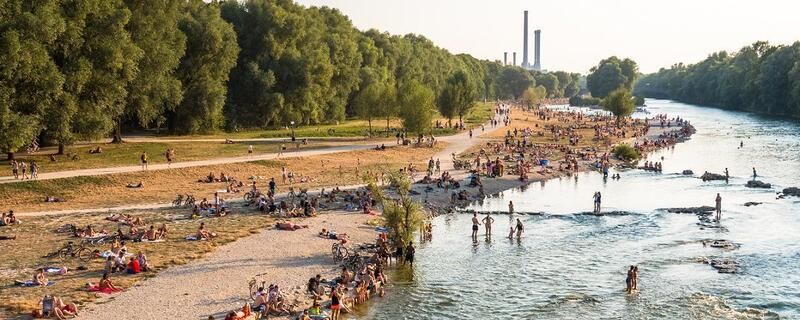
(458, 96)
(153, 27)
(611, 74)
(513, 81)
(620, 103)
(533, 95)
(416, 107)
(211, 52)
(367, 102)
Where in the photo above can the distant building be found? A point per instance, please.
(537, 62)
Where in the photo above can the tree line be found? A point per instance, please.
(75, 70)
(759, 78)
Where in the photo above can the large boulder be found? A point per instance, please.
(694, 210)
(758, 184)
(751, 203)
(721, 244)
(708, 176)
(792, 191)
(724, 265)
(687, 172)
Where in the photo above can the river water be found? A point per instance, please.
(570, 265)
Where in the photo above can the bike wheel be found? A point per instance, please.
(85, 254)
(247, 196)
(64, 253)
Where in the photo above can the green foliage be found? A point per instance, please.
(458, 96)
(533, 95)
(620, 103)
(611, 74)
(368, 102)
(758, 78)
(403, 216)
(16, 130)
(512, 82)
(211, 52)
(583, 101)
(638, 100)
(625, 152)
(416, 107)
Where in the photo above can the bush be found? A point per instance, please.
(625, 152)
(638, 101)
(581, 101)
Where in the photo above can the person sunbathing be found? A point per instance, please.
(162, 231)
(143, 265)
(151, 234)
(288, 225)
(260, 303)
(39, 278)
(202, 233)
(62, 310)
(135, 185)
(53, 199)
(115, 247)
(87, 233)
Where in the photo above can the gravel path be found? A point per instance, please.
(217, 283)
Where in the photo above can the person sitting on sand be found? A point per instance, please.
(39, 278)
(105, 284)
(143, 265)
(119, 262)
(202, 233)
(204, 204)
(135, 185)
(162, 231)
(87, 233)
(62, 310)
(133, 266)
(115, 246)
(260, 303)
(314, 287)
(150, 234)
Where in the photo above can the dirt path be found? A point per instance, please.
(186, 164)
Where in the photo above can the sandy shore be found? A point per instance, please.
(218, 283)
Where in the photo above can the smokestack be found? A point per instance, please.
(525, 42)
(537, 62)
(505, 58)
(515, 58)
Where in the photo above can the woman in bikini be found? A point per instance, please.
(105, 283)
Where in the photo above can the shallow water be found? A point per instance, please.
(573, 266)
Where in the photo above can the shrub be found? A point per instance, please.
(625, 152)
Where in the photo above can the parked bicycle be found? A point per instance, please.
(71, 250)
(339, 252)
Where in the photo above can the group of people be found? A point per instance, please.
(516, 228)
(20, 170)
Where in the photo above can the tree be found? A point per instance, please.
(620, 103)
(416, 107)
(16, 130)
(367, 102)
(513, 81)
(533, 95)
(457, 97)
(402, 217)
(211, 52)
(153, 27)
(550, 82)
(611, 74)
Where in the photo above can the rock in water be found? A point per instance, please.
(758, 184)
(708, 176)
(752, 203)
(720, 243)
(694, 210)
(792, 191)
(724, 265)
(687, 172)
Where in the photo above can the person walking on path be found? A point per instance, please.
(15, 169)
(475, 224)
(487, 224)
(249, 149)
(23, 167)
(718, 207)
(34, 170)
(143, 158)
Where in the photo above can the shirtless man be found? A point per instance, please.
(475, 224)
(487, 224)
(718, 207)
(520, 228)
(150, 234)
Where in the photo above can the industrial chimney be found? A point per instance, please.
(537, 62)
(515, 58)
(525, 42)
(505, 58)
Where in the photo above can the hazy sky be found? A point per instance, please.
(576, 34)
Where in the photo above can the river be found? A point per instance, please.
(570, 265)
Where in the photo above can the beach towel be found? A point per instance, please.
(194, 238)
(96, 288)
(29, 283)
(381, 229)
(56, 270)
(152, 241)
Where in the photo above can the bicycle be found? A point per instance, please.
(339, 252)
(70, 250)
(189, 202)
(250, 195)
(178, 201)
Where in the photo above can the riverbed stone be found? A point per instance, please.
(758, 184)
(702, 210)
(751, 203)
(687, 172)
(721, 244)
(724, 265)
(792, 191)
(708, 176)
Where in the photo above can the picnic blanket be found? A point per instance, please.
(96, 288)
(56, 270)
(153, 241)
(29, 283)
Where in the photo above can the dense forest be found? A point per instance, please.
(759, 78)
(75, 70)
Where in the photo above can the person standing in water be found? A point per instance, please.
(718, 207)
(487, 224)
(520, 228)
(475, 224)
(510, 207)
(727, 175)
(629, 280)
(755, 175)
(597, 201)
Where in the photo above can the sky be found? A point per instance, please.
(577, 34)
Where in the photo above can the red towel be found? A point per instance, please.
(96, 288)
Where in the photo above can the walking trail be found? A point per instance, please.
(217, 283)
